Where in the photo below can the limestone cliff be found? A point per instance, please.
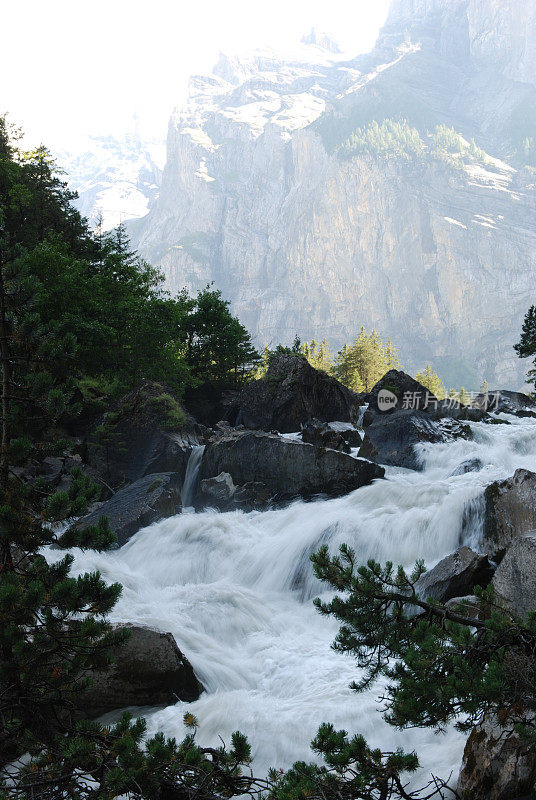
(437, 251)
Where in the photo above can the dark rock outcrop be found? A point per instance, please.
(348, 432)
(253, 496)
(287, 469)
(405, 389)
(147, 432)
(515, 579)
(291, 393)
(149, 669)
(455, 576)
(219, 489)
(496, 766)
(510, 511)
(391, 438)
(143, 502)
(321, 435)
(500, 400)
(471, 465)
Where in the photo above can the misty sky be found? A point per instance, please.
(69, 67)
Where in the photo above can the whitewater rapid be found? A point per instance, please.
(235, 590)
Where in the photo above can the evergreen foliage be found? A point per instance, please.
(360, 365)
(442, 663)
(397, 139)
(431, 380)
(526, 346)
(77, 307)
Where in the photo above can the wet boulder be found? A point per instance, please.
(349, 432)
(496, 764)
(143, 502)
(455, 576)
(148, 669)
(252, 496)
(398, 391)
(147, 432)
(291, 393)
(502, 401)
(515, 579)
(287, 469)
(510, 511)
(219, 489)
(471, 465)
(391, 438)
(320, 434)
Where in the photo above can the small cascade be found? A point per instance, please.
(189, 486)
(361, 414)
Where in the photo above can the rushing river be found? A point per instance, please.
(235, 589)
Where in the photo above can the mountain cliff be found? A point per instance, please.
(116, 179)
(394, 190)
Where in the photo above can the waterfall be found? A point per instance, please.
(189, 486)
(235, 590)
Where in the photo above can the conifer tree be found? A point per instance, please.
(526, 346)
(392, 360)
(465, 397)
(53, 628)
(431, 380)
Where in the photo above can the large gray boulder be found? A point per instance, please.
(391, 438)
(404, 388)
(455, 576)
(145, 501)
(515, 579)
(500, 400)
(149, 669)
(510, 511)
(496, 766)
(291, 393)
(286, 469)
(321, 434)
(146, 432)
(220, 489)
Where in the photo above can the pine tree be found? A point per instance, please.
(465, 397)
(438, 662)
(392, 360)
(526, 346)
(53, 628)
(431, 381)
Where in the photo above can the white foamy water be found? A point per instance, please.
(235, 589)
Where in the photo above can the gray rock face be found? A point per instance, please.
(500, 400)
(471, 465)
(221, 489)
(455, 576)
(510, 511)
(140, 440)
(291, 393)
(149, 669)
(145, 501)
(391, 438)
(406, 390)
(515, 579)
(256, 197)
(287, 469)
(320, 434)
(348, 432)
(496, 766)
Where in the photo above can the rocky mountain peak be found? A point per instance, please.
(322, 40)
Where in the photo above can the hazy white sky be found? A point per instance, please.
(69, 67)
